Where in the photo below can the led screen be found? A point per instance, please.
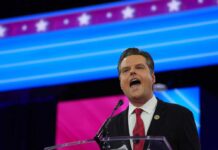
(80, 119)
(84, 44)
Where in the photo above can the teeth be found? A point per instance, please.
(135, 81)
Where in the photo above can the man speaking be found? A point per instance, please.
(147, 115)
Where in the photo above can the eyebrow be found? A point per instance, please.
(140, 64)
(126, 67)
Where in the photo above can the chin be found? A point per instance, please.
(135, 97)
(136, 94)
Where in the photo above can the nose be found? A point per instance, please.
(132, 72)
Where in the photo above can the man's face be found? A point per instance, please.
(136, 80)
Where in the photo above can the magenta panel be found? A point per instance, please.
(80, 119)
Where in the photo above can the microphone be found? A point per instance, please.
(103, 129)
(120, 103)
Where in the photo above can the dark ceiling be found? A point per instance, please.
(15, 8)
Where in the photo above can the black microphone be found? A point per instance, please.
(120, 103)
(103, 129)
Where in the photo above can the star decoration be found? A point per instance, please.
(24, 27)
(41, 25)
(84, 19)
(174, 5)
(128, 12)
(200, 1)
(109, 15)
(2, 31)
(153, 8)
(66, 21)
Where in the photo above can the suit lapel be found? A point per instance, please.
(125, 122)
(155, 122)
(126, 127)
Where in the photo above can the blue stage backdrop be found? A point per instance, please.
(84, 44)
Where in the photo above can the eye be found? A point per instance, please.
(125, 70)
(140, 66)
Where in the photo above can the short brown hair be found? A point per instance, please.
(136, 51)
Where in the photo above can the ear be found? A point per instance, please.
(153, 77)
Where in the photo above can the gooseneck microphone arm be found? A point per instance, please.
(103, 131)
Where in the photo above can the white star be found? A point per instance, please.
(66, 21)
(200, 1)
(174, 5)
(84, 19)
(41, 25)
(2, 31)
(153, 8)
(24, 27)
(109, 15)
(128, 12)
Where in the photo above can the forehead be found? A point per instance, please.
(133, 60)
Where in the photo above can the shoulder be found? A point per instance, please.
(176, 115)
(178, 125)
(173, 108)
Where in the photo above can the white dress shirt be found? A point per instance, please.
(146, 115)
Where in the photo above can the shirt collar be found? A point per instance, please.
(148, 107)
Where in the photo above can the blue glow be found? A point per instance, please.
(176, 41)
(187, 97)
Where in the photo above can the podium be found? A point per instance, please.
(115, 143)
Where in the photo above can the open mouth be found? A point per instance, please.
(134, 82)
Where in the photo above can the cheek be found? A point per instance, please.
(149, 80)
(123, 83)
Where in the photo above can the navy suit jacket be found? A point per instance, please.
(176, 123)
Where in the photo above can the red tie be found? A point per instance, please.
(138, 130)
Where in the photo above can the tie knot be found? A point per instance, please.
(138, 111)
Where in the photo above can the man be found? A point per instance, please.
(155, 117)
